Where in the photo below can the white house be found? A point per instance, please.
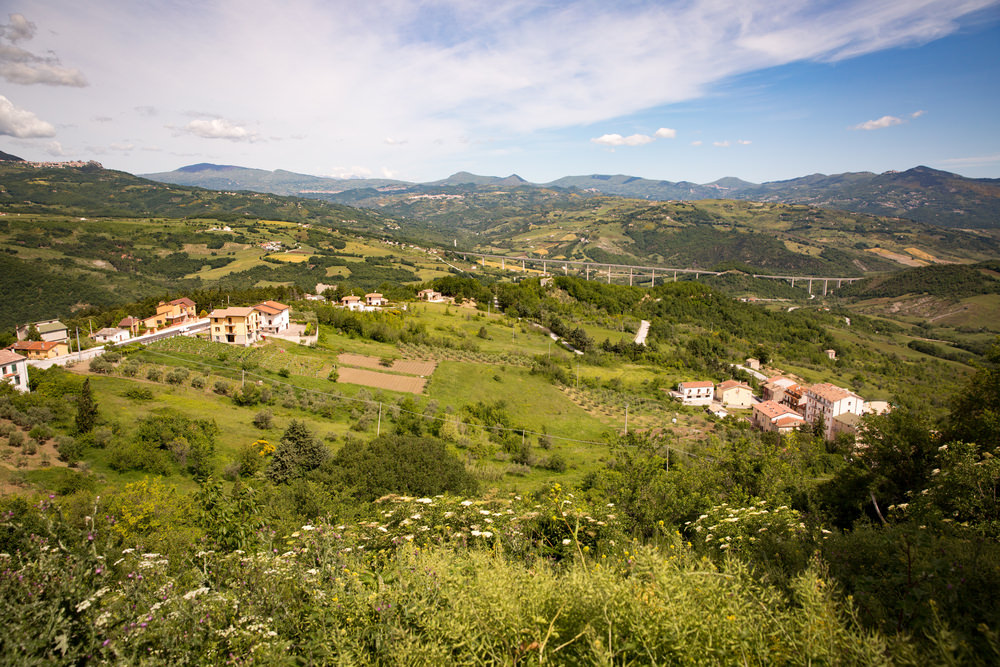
(273, 316)
(351, 302)
(831, 401)
(111, 335)
(375, 299)
(429, 295)
(14, 369)
(696, 392)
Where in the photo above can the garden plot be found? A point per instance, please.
(407, 383)
(409, 367)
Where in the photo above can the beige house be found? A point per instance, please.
(171, 313)
(111, 335)
(14, 369)
(351, 302)
(429, 295)
(734, 394)
(236, 325)
(375, 299)
(48, 330)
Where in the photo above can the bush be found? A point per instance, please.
(177, 375)
(41, 433)
(263, 420)
(198, 382)
(129, 368)
(100, 365)
(29, 447)
(139, 393)
(16, 438)
(221, 388)
(284, 372)
(154, 374)
(334, 375)
(70, 449)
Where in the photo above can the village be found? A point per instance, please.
(784, 404)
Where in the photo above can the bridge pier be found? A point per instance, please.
(609, 274)
(503, 266)
(793, 282)
(652, 281)
(675, 276)
(810, 285)
(544, 271)
(824, 286)
(522, 266)
(588, 271)
(838, 284)
(630, 276)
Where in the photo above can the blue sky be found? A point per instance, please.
(696, 90)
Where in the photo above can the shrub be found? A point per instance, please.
(70, 449)
(129, 368)
(334, 375)
(263, 419)
(29, 447)
(284, 372)
(41, 433)
(221, 388)
(139, 393)
(177, 375)
(112, 356)
(198, 382)
(154, 374)
(16, 438)
(100, 365)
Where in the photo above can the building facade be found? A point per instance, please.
(236, 326)
(14, 369)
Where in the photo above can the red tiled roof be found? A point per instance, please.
(831, 392)
(696, 384)
(773, 410)
(34, 345)
(733, 384)
(8, 356)
(183, 301)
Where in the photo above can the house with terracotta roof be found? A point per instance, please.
(171, 313)
(694, 392)
(774, 388)
(829, 401)
(773, 417)
(273, 316)
(429, 295)
(235, 325)
(375, 299)
(40, 349)
(132, 324)
(734, 394)
(14, 369)
(351, 302)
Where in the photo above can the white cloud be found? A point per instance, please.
(721, 144)
(744, 142)
(879, 123)
(619, 140)
(350, 172)
(696, 142)
(917, 114)
(666, 133)
(55, 149)
(21, 66)
(219, 128)
(21, 123)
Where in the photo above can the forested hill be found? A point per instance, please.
(97, 192)
(950, 281)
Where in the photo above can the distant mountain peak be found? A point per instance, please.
(206, 166)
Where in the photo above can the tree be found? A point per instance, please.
(86, 409)
(975, 413)
(298, 452)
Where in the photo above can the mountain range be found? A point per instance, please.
(922, 194)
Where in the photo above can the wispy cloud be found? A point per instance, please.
(666, 133)
(976, 161)
(744, 142)
(878, 123)
(18, 65)
(219, 128)
(21, 123)
(619, 140)
(721, 144)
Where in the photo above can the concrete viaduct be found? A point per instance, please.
(636, 275)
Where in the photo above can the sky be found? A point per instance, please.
(691, 90)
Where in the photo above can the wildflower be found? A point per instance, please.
(83, 606)
(308, 527)
(567, 541)
(190, 595)
(466, 503)
(425, 501)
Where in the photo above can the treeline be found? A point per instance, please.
(954, 281)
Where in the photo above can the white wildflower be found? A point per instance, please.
(567, 541)
(190, 595)
(308, 527)
(425, 501)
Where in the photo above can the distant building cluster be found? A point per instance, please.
(784, 404)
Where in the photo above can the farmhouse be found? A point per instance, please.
(733, 394)
(351, 302)
(111, 335)
(14, 369)
(40, 349)
(697, 392)
(237, 326)
(273, 316)
(132, 324)
(375, 299)
(429, 295)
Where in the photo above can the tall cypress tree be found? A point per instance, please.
(86, 409)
